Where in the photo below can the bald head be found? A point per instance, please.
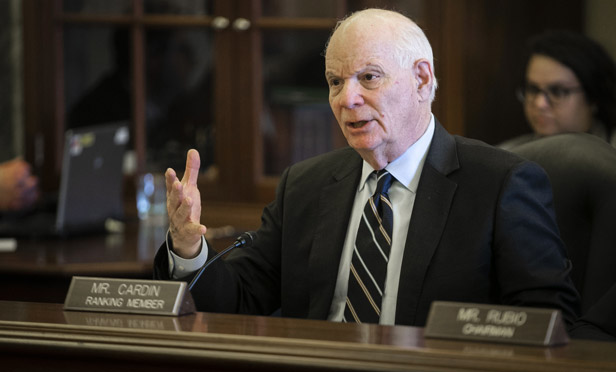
(409, 41)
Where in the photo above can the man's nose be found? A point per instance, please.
(351, 95)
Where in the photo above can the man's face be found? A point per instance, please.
(569, 113)
(373, 98)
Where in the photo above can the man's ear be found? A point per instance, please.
(424, 78)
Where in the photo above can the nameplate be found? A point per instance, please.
(496, 323)
(156, 297)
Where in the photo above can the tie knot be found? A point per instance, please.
(383, 181)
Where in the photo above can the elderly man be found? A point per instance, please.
(444, 218)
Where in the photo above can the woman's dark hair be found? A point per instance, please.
(591, 64)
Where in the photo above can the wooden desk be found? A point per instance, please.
(38, 335)
(41, 269)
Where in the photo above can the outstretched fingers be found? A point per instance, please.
(175, 192)
(193, 162)
(170, 178)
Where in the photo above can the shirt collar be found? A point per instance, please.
(406, 168)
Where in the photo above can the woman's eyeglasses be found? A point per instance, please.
(554, 94)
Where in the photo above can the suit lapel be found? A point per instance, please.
(432, 204)
(335, 204)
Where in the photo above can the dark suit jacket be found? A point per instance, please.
(598, 323)
(482, 230)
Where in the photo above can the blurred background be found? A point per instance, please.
(242, 81)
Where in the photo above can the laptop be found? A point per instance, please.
(90, 190)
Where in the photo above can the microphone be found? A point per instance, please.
(244, 240)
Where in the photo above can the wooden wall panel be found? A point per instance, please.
(479, 52)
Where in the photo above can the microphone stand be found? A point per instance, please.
(246, 239)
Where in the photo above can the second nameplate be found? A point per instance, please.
(496, 323)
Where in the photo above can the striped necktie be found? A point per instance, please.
(370, 256)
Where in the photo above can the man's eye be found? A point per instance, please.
(370, 77)
(334, 82)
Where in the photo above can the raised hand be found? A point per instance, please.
(184, 208)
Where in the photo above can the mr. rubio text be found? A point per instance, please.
(495, 323)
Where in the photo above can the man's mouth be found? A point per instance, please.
(358, 124)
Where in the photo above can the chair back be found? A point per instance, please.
(582, 170)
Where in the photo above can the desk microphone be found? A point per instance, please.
(244, 240)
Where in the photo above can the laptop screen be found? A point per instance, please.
(92, 178)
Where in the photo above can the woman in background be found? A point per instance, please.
(570, 86)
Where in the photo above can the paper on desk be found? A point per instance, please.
(8, 244)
